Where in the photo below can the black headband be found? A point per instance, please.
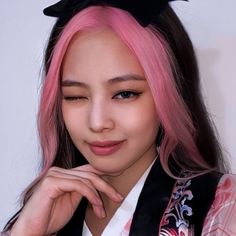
(143, 10)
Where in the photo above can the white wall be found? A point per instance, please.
(23, 33)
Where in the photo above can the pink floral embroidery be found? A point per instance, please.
(177, 211)
(126, 229)
(221, 219)
(169, 232)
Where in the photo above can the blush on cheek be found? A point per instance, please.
(142, 126)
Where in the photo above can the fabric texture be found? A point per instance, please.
(203, 205)
(221, 218)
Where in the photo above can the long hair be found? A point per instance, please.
(166, 55)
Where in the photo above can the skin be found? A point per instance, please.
(96, 106)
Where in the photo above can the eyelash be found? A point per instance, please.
(130, 94)
(73, 98)
(127, 92)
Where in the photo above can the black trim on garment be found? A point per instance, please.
(153, 201)
(203, 189)
(75, 225)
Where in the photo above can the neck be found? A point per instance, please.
(124, 182)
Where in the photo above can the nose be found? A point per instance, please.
(100, 118)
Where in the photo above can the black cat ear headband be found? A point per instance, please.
(143, 10)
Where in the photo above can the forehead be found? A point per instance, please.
(99, 51)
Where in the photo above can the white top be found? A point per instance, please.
(125, 212)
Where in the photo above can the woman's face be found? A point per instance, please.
(107, 105)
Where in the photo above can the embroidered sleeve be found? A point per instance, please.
(175, 219)
(221, 218)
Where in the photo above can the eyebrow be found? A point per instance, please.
(124, 78)
(73, 83)
(115, 80)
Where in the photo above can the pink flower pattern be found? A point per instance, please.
(220, 220)
(177, 211)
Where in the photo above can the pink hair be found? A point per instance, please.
(154, 56)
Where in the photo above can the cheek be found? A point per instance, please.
(140, 120)
(73, 120)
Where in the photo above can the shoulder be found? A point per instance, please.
(221, 218)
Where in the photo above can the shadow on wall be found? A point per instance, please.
(217, 71)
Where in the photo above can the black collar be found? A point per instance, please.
(153, 201)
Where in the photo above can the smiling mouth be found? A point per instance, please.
(105, 148)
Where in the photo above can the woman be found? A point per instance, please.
(127, 146)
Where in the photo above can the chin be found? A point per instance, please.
(108, 170)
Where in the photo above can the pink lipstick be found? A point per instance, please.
(105, 148)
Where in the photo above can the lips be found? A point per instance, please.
(105, 148)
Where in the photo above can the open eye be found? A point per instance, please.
(126, 94)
